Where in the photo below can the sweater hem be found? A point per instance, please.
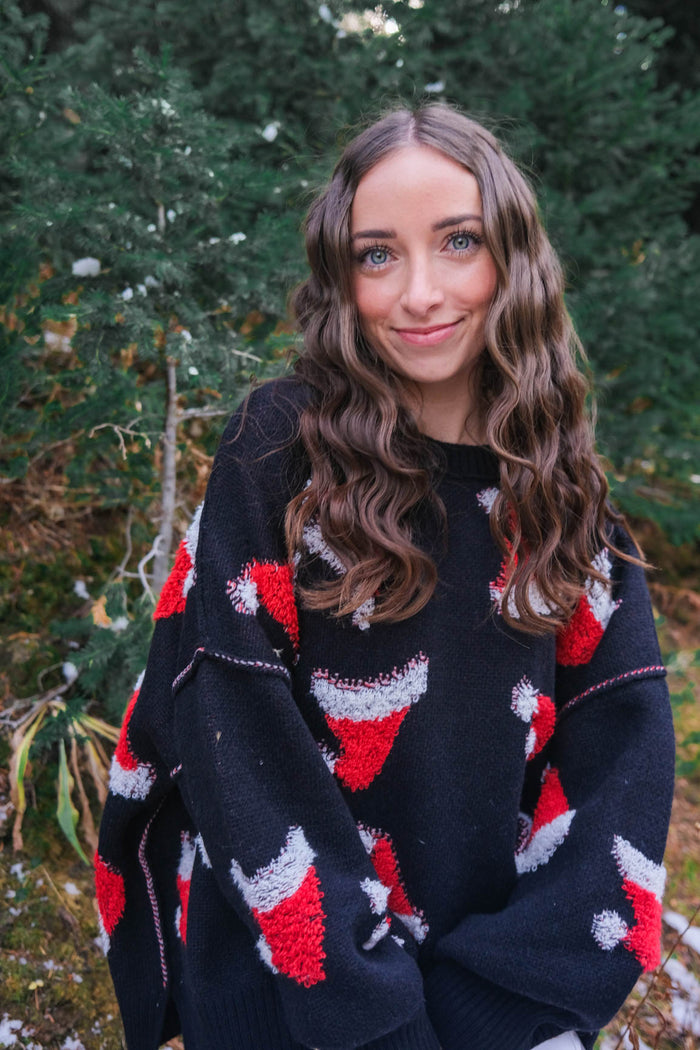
(467, 1010)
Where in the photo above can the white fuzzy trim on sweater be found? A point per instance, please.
(316, 543)
(487, 498)
(265, 953)
(415, 924)
(102, 937)
(281, 878)
(187, 854)
(378, 895)
(378, 934)
(524, 699)
(544, 843)
(634, 866)
(367, 837)
(608, 929)
(131, 783)
(599, 594)
(361, 614)
(199, 843)
(243, 592)
(191, 540)
(375, 698)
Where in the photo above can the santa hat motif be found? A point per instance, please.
(643, 884)
(381, 852)
(179, 582)
(316, 544)
(549, 827)
(188, 851)
(111, 899)
(365, 716)
(285, 899)
(378, 895)
(579, 639)
(486, 499)
(270, 584)
(536, 709)
(128, 776)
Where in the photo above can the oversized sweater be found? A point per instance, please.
(332, 833)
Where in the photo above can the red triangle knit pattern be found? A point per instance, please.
(365, 746)
(110, 893)
(275, 586)
(172, 598)
(294, 930)
(579, 640)
(123, 754)
(552, 802)
(643, 939)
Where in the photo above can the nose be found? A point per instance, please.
(422, 291)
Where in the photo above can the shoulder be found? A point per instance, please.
(269, 414)
(260, 446)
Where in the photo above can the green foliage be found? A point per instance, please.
(150, 206)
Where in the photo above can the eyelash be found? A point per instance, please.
(362, 257)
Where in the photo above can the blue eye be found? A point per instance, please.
(377, 256)
(461, 242)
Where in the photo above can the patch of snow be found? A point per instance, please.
(8, 1029)
(236, 238)
(71, 889)
(87, 267)
(690, 934)
(70, 1043)
(686, 981)
(70, 672)
(80, 589)
(270, 131)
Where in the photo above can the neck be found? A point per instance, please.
(447, 415)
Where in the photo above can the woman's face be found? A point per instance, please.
(423, 278)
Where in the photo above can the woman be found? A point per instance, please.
(399, 772)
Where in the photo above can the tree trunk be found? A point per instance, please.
(168, 482)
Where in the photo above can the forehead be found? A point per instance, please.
(414, 181)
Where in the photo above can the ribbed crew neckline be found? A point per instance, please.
(466, 461)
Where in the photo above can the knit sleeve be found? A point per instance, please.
(584, 917)
(283, 846)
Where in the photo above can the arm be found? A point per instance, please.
(283, 845)
(583, 920)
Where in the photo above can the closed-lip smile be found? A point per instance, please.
(428, 336)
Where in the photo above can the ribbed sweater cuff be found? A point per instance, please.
(256, 1019)
(417, 1034)
(467, 1011)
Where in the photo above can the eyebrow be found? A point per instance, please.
(387, 235)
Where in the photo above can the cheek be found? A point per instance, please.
(372, 300)
(487, 284)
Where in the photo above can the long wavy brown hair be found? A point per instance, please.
(372, 471)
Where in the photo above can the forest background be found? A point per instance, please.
(156, 158)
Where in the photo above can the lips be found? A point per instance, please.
(426, 336)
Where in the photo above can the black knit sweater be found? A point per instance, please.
(334, 834)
